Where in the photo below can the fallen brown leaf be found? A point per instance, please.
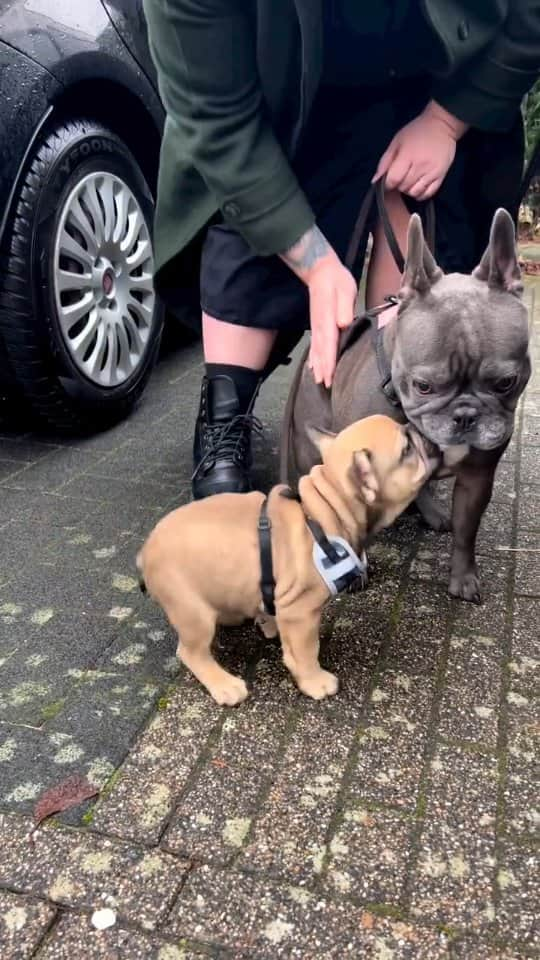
(69, 793)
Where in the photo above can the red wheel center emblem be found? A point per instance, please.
(107, 284)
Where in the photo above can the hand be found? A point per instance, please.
(421, 153)
(332, 296)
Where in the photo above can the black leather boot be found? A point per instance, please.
(222, 444)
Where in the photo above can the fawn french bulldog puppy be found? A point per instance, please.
(205, 563)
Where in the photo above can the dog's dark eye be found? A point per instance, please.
(423, 387)
(505, 384)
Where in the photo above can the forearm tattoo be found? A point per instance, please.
(305, 252)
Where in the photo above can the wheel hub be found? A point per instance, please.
(103, 266)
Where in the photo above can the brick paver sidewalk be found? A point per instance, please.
(395, 821)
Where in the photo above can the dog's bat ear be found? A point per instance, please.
(364, 477)
(421, 270)
(320, 438)
(499, 266)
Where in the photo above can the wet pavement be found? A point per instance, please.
(396, 820)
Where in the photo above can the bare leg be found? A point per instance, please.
(300, 643)
(472, 494)
(196, 631)
(235, 345)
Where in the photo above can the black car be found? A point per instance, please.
(80, 129)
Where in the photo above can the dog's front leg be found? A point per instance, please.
(300, 643)
(472, 493)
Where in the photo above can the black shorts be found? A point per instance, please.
(347, 132)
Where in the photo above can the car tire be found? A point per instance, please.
(83, 201)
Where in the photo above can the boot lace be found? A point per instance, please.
(229, 441)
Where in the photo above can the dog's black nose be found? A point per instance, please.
(465, 418)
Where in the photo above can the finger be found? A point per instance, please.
(398, 172)
(330, 359)
(415, 173)
(321, 315)
(385, 161)
(430, 189)
(345, 307)
(421, 184)
(325, 357)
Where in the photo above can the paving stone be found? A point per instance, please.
(215, 814)
(518, 882)
(90, 734)
(496, 530)
(157, 770)
(530, 433)
(504, 486)
(23, 923)
(470, 700)
(48, 660)
(288, 837)
(431, 564)
(80, 870)
(528, 563)
(25, 450)
(157, 460)
(452, 882)
(522, 787)
(37, 508)
(421, 629)
(368, 856)
(261, 920)
(21, 541)
(138, 651)
(53, 587)
(11, 468)
(529, 507)
(473, 949)
(393, 741)
(529, 467)
(51, 473)
(524, 665)
(353, 633)
(74, 937)
(90, 487)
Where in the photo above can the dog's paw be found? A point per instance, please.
(229, 692)
(465, 586)
(319, 685)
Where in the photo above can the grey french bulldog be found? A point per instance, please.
(458, 351)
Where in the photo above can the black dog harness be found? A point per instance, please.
(369, 321)
(334, 559)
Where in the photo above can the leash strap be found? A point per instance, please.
(376, 192)
(268, 584)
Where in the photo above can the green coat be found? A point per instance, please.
(237, 78)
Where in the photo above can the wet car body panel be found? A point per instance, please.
(128, 16)
(75, 40)
(49, 46)
(26, 93)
